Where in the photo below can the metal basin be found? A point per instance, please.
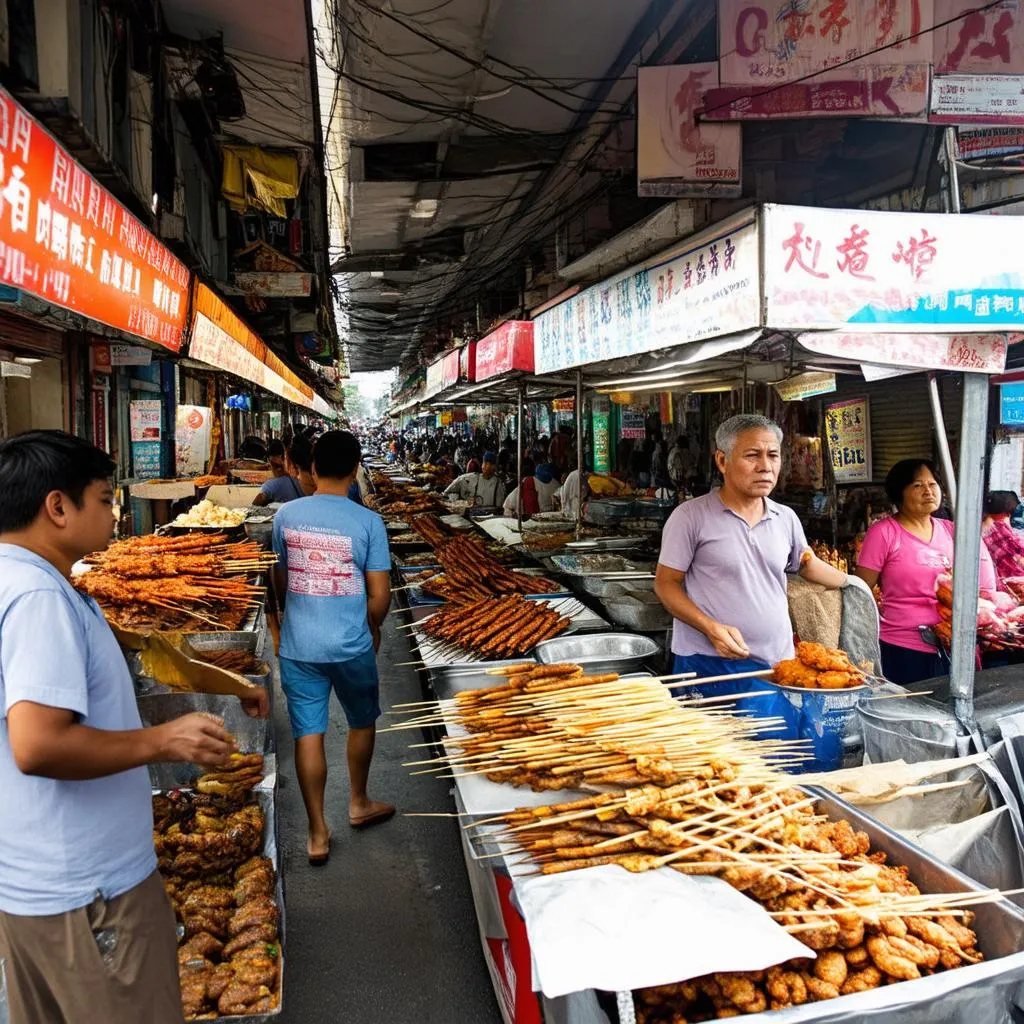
(614, 652)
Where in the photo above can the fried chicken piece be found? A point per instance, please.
(739, 990)
(830, 966)
(857, 957)
(256, 883)
(822, 936)
(889, 962)
(251, 865)
(256, 970)
(894, 927)
(267, 1003)
(895, 879)
(794, 672)
(208, 896)
(238, 997)
(862, 981)
(258, 934)
(818, 990)
(824, 659)
(851, 933)
(209, 919)
(785, 988)
(222, 976)
(262, 910)
(940, 937)
(839, 680)
(200, 945)
(206, 822)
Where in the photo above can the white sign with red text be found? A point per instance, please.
(977, 353)
(862, 270)
(977, 99)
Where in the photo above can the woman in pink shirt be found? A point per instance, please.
(905, 554)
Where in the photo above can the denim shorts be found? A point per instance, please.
(307, 685)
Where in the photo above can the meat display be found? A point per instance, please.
(817, 667)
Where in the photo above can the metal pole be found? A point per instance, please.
(579, 449)
(519, 459)
(940, 432)
(967, 537)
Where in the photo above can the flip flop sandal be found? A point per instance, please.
(377, 818)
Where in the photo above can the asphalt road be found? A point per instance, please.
(386, 932)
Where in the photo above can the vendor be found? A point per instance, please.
(281, 486)
(537, 491)
(483, 488)
(905, 554)
(1003, 542)
(572, 492)
(724, 559)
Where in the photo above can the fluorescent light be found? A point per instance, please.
(648, 378)
(26, 360)
(713, 389)
(662, 385)
(424, 209)
(376, 273)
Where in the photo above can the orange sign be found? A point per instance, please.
(67, 240)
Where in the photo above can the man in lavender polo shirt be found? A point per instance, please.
(724, 559)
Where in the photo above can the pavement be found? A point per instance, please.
(385, 933)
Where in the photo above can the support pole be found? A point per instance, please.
(579, 449)
(519, 458)
(945, 458)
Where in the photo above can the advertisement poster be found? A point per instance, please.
(806, 467)
(634, 423)
(848, 428)
(602, 437)
(146, 419)
(146, 459)
(1011, 405)
(191, 440)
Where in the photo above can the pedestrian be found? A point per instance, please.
(86, 929)
(300, 465)
(281, 486)
(334, 574)
(480, 489)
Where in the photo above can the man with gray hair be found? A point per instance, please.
(724, 559)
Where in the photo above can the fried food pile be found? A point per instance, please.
(817, 667)
(695, 790)
(471, 574)
(223, 893)
(242, 773)
(496, 627)
(431, 529)
(243, 662)
(185, 583)
(396, 500)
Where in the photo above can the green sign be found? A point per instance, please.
(602, 437)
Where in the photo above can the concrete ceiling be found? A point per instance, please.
(467, 130)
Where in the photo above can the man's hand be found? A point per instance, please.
(258, 704)
(375, 633)
(196, 739)
(727, 640)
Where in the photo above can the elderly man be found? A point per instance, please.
(724, 559)
(483, 488)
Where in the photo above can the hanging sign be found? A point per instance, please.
(1011, 405)
(848, 429)
(145, 418)
(968, 353)
(634, 423)
(509, 347)
(676, 154)
(805, 385)
(65, 239)
(602, 436)
(146, 459)
(563, 405)
(978, 99)
(865, 270)
(191, 439)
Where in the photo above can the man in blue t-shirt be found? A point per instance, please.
(86, 930)
(333, 574)
(282, 486)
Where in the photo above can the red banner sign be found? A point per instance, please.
(510, 347)
(450, 369)
(65, 239)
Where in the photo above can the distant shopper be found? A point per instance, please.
(483, 488)
(333, 572)
(538, 490)
(300, 465)
(1002, 540)
(86, 930)
(282, 486)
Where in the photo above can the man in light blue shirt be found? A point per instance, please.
(85, 927)
(333, 572)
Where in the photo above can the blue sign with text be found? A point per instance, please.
(1011, 405)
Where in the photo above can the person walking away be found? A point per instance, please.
(724, 558)
(282, 486)
(300, 465)
(86, 929)
(333, 568)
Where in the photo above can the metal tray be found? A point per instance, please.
(614, 652)
(207, 642)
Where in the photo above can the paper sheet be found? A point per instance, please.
(605, 928)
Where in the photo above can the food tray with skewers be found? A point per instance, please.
(433, 586)
(685, 788)
(507, 632)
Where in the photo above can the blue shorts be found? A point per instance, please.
(307, 685)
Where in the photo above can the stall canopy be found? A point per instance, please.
(219, 338)
(65, 239)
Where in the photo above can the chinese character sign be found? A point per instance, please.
(1011, 405)
(66, 240)
(677, 155)
(508, 347)
(769, 42)
(848, 430)
(976, 41)
(709, 288)
(145, 418)
(881, 271)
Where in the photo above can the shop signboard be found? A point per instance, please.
(191, 439)
(563, 405)
(509, 347)
(805, 385)
(866, 270)
(103, 357)
(887, 91)
(1011, 405)
(146, 420)
(65, 239)
(467, 362)
(975, 144)
(848, 430)
(602, 435)
(146, 459)
(676, 154)
(770, 42)
(275, 285)
(707, 288)
(434, 381)
(966, 353)
(976, 38)
(634, 423)
(450, 369)
(977, 99)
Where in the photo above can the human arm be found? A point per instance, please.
(869, 576)
(378, 579)
(670, 588)
(453, 488)
(50, 742)
(260, 500)
(814, 570)
(874, 553)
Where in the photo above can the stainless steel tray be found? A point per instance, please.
(614, 652)
(251, 642)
